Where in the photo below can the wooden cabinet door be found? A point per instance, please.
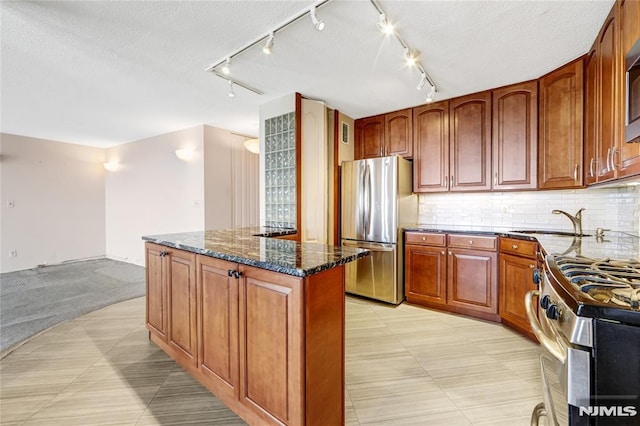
(470, 142)
(515, 136)
(431, 144)
(629, 159)
(560, 128)
(370, 137)
(426, 275)
(515, 281)
(271, 381)
(472, 281)
(591, 117)
(398, 135)
(608, 70)
(156, 303)
(217, 319)
(181, 285)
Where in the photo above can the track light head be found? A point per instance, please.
(231, 93)
(423, 80)
(268, 45)
(411, 56)
(314, 19)
(431, 94)
(385, 26)
(226, 70)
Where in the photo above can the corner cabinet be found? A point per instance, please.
(383, 135)
(560, 131)
(259, 340)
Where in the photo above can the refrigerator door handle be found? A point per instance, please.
(360, 212)
(367, 229)
(369, 246)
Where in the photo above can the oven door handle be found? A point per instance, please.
(549, 343)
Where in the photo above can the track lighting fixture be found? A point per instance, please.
(384, 25)
(232, 94)
(268, 45)
(314, 19)
(225, 68)
(423, 80)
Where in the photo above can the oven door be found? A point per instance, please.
(565, 369)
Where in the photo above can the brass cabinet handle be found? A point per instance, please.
(532, 266)
(609, 159)
(613, 157)
(515, 247)
(575, 173)
(449, 253)
(591, 166)
(495, 179)
(424, 238)
(470, 242)
(442, 252)
(446, 181)
(451, 181)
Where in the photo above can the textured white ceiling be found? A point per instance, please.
(105, 73)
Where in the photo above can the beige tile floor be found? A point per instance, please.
(405, 365)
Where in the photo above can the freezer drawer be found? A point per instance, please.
(375, 276)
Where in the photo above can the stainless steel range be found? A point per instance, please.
(588, 325)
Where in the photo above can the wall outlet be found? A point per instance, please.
(13, 253)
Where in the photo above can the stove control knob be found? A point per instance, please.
(545, 301)
(553, 312)
(536, 276)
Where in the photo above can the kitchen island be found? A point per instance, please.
(257, 320)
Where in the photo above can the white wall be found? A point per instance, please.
(153, 192)
(613, 208)
(59, 195)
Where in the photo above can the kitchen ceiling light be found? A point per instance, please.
(384, 25)
(431, 94)
(252, 145)
(232, 94)
(226, 70)
(411, 56)
(314, 19)
(268, 45)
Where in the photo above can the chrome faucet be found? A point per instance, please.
(575, 220)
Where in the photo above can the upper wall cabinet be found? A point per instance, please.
(515, 136)
(470, 142)
(452, 142)
(369, 135)
(387, 134)
(431, 144)
(629, 160)
(560, 128)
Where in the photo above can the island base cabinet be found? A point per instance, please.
(472, 285)
(218, 327)
(269, 345)
(171, 300)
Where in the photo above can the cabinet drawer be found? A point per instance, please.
(425, 238)
(519, 247)
(473, 242)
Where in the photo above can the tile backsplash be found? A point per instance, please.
(613, 208)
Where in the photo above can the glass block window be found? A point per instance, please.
(280, 169)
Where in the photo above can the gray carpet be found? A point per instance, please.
(36, 299)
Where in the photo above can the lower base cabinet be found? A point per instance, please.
(456, 273)
(268, 345)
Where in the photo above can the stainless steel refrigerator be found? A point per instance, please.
(376, 203)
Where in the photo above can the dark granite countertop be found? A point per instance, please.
(614, 245)
(250, 246)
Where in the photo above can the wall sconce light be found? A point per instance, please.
(184, 154)
(111, 166)
(252, 145)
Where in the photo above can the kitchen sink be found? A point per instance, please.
(548, 232)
